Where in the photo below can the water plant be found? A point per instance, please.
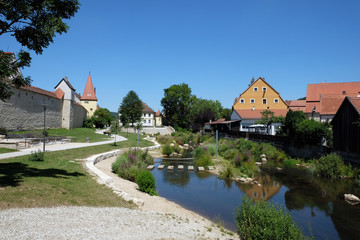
(262, 220)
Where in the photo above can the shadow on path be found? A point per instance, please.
(12, 174)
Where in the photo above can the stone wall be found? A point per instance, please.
(24, 110)
(78, 116)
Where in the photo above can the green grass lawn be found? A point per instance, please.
(60, 180)
(7, 150)
(76, 134)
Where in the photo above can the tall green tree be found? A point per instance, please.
(131, 108)
(202, 111)
(34, 24)
(292, 119)
(177, 103)
(102, 117)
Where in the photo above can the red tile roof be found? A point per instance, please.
(40, 91)
(330, 104)
(158, 113)
(147, 109)
(355, 101)
(89, 92)
(256, 114)
(59, 93)
(314, 91)
(297, 105)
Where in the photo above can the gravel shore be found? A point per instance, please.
(158, 218)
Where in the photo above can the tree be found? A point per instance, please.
(292, 119)
(102, 117)
(177, 102)
(34, 24)
(226, 113)
(313, 132)
(267, 118)
(203, 111)
(131, 108)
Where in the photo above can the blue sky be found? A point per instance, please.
(216, 47)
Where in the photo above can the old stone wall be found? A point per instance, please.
(78, 116)
(24, 110)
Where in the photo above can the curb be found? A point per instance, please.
(109, 181)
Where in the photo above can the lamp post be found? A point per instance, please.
(44, 128)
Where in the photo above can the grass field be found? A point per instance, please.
(76, 134)
(7, 150)
(60, 180)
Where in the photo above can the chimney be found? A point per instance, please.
(95, 90)
(210, 121)
(253, 108)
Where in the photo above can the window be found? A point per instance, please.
(91, 109)
(149, 121)
(276, 100)
(255, 89)
(264, 100)
(252, 100)
(264, 89)
(86, 102)
(242, 100)
(144, 121)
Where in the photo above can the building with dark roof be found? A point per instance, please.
(147, 116)
(346, 126)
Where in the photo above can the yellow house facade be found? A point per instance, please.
(259, 95)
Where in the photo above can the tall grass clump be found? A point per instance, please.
(202, 157)
(167, 150)
(129, 164)
(262, 220)
(37, 156)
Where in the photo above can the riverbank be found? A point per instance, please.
(154, 205)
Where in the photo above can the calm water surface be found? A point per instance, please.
(312, 202)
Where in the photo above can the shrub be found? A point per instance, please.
(290, 162)
(164, 139)
(211, 148)
(176, 148)
(329, 166)
(228, 173)
(3, 131)
(312, 132)
(230, 153)
(198, 152)
(88, 123)
(146, 182)
(167, 150)
(203, 160)
(262, 220)
(37, 156)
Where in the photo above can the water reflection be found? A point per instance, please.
(311, 201)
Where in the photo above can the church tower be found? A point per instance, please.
(89, 99)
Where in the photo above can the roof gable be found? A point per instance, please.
(67, 83)
(147, 109)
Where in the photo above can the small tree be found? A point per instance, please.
(291, 120)
(102, 117)
(267, 118)
(131, 108)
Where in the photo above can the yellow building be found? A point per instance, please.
(259, 96)
(89, 99)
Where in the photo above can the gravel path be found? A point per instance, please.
(98, 223)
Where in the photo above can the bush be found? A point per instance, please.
(262, 220)
(204, 160)
(176, 148)
(198, 152)
(37, 156)
(248, 168)
(329, 166)
(146, 182)
(164, 139)
(290, 162)
(3, 131)
(228, 173)
(167, 150)
(312, 132)
(230, 153)
(211, 148)
(88, 123)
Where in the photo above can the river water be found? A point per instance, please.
(316, 204)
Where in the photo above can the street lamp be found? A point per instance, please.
(44, 127)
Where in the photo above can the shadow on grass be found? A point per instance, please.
(12, 174)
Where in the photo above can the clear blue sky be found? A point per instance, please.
(216, 47)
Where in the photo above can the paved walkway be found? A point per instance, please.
(60, 146)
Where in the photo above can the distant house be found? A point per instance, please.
(147, 116)
(259, 96)
(158, 119)
(324, 99)
(346, 126)
(297, 105)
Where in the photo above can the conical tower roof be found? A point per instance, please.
(89, 92)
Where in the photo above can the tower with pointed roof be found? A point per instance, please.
(89, 99)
